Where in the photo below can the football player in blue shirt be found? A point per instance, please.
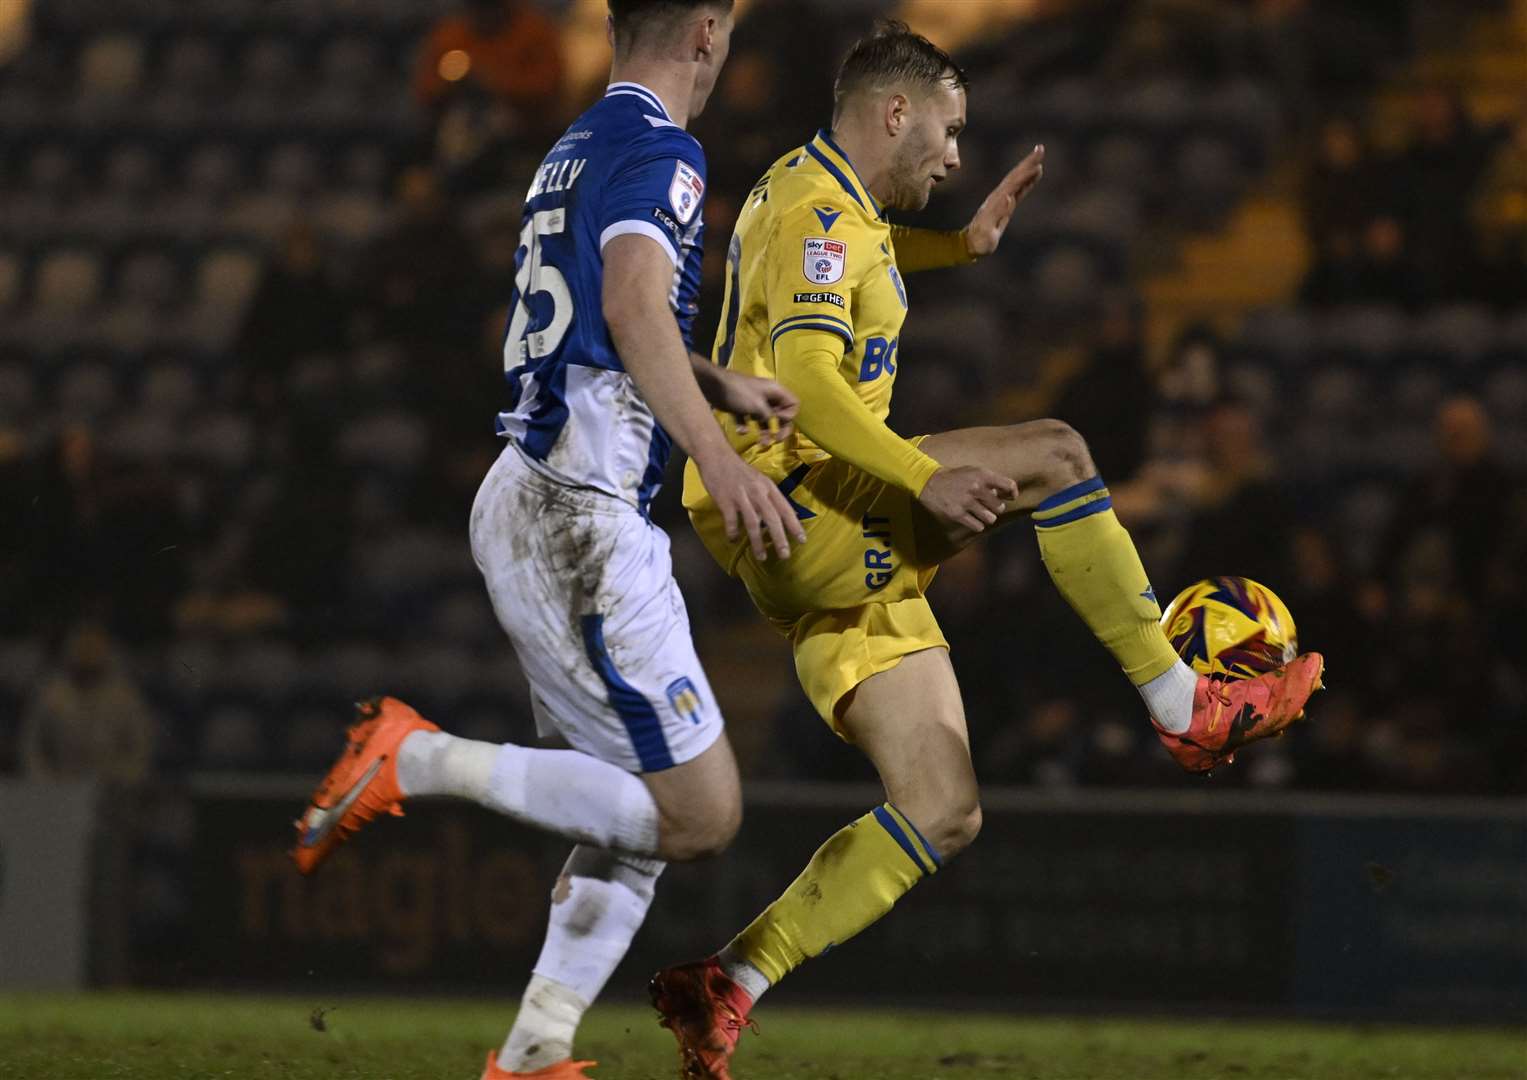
(602, 383)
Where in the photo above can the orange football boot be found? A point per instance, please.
(362, 784)
(560, 1070)
(1229, 713)
(706, 1011)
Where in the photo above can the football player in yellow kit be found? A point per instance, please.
(815, 299)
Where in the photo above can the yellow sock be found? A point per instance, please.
(1094, 564)
(852, 880)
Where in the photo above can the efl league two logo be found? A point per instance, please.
(824, 260)
(685, 192)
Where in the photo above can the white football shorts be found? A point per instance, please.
(583, 585)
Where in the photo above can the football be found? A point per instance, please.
(1232, 627)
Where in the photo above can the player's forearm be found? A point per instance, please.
(709, 377)
(929, 249)
(651, 349)
(832, 416)
(654, 355)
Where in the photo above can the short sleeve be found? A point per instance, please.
(659, 191)
(813, 264)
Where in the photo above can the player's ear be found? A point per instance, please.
(707, 36)
(609, 31)
(897, 110)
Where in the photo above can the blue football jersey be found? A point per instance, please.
(622, 167)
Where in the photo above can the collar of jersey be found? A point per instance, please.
(637, 90)
(832, 158)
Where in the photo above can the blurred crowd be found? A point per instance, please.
(303, 543)
(1442, 219)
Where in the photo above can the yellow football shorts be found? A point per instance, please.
(852, 598)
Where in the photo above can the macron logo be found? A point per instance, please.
(829, 218)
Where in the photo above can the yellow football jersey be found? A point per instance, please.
(815, 299)
(812, 251)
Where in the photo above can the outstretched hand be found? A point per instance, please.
(985, 230)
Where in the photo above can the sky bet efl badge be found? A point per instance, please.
(824, 260)
(685, 192)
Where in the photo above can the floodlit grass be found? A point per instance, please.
(132, 1036)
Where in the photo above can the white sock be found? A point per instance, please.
(562, 791)
(597, 906)
(744, 974)
(1169, 697)
(434, 763)
(544, 1028)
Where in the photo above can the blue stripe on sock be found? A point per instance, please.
(937, 862)
(635, 712)
(1075, 491)
(1076, 515)
(888, 823)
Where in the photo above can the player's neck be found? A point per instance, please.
(672, 87)
(871, 162)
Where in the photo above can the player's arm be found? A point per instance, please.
(810, 273)
(835, 418)
(638, 272)
(748, 399)
(809, 281)
(930, 249)
(649, 211)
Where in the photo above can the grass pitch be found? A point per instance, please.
(180, 1037)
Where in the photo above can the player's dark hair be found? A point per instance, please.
(633, 17)
(896, 55)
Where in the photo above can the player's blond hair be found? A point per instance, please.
(894, 55)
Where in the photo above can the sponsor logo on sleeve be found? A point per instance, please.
(824, 260)
(819, 298)
(666, 221)
(685, 192)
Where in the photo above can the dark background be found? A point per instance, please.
(254, 260)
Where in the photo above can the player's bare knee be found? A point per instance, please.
(679, 844)
(966, 829)
(703, 842)
(700, 833)
(721, 830)
(1065, 459)
(955, 829)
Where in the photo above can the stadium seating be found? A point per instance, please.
(154, 153)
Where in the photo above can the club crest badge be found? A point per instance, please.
(824, 260)
(685, 699)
